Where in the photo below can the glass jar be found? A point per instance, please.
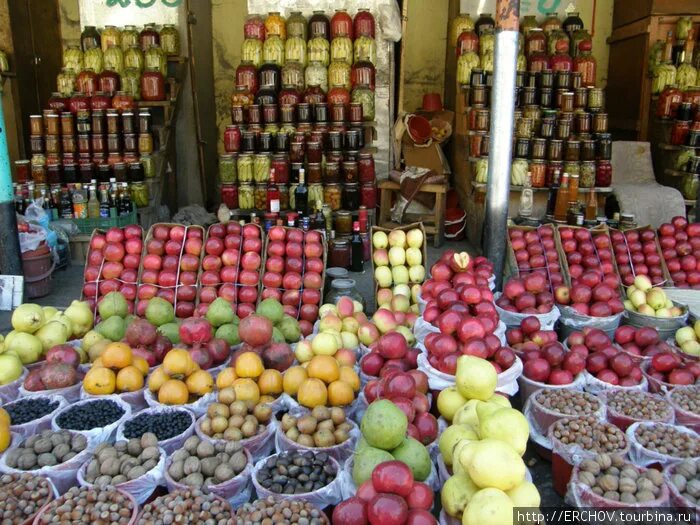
(109, 82)
(319, 25)
(585, 63)
(89, 38)
(152, 85)
(269, 77)
(130, 37)
(604, 146)
(537, 62)
(139, 194)
(461, 23)
(100, 100)
(341, 24)
(254, 27)
(596, 98)
(364, 49)
(561, 61)
(555, 150)
(113, 59)
(154, 57)
(527, 24)
(351, 196)
(273, 50)
(131, 83)
(295, 49)
(232, 139)
(484, 23)
(289, 96)
(368, 195)
(145, 143)
(93, 59)
(242, 97)
(572, 23)
(603, 174)
(668, 101)
(315, 194)
(316, 74)
(572, 150)
(342, 50)
(339, 74)
(296, 26)
(536, 42)
(262, 162)
(572, 168)
(229, 196)
(246, 196)
(587, 174)
(275, 25)
(270, 113)
(468, 42)
(293, 74)
(551, 23)
(538, 173)
(170, 39)
(133, 58)
(350, 171)
(332, 195)
(252, 51)
(245, 168)
(587, 149)
(280, 163)
(88, 82)
(340, 254)
(148, 37)
(343, 223)
(365, 96)
(65, 82)
(362, 72)
(283, 190)
(319, 50)
(260, 196)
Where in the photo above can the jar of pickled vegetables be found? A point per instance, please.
(131, 83)
(368, 195)
(252, 51)
(527, 24)
(133, 58)
(87, 81)
(585, 63)
(275, 25)
(229, 196)
(341, 24)
(319, 25)
(342, 50)
(109, 82)
(242, 96)
(170, 39)
(332, 195)
(315, 193)
(260, 196)
(561, 61)
(73, 58)
(339, 95)
(362, 73)
(149, 36)
(351, 196)
(65, 82)
(227, 168)
(587, 174)
(111, 36)
(579, 36)
(365, 48)
(551, 23)
(154, 57)
(461, 23)
(537, 62)
(293, 74)
(296, 26)
(246, 196)
(247, 75)
(269, 76)
(92, 59)
(273, 50)
(339, 74)
(467, 42)
(316, 74)
(289, 96)
(536, 41)
(365, 96)
(262, 162)
(484, 23)
(139, 194)
(466, 63)
(130, 37)
(295, 49)
(89, 38)
(254, 27)
(318, 50)
(572, 168)
(244, 165)
(113, 58)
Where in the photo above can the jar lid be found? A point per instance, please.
(343, 284)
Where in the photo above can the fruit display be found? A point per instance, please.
(385, 437)
(58, 371)
(399, 260)
(231, 267)
(390, 351)
(285, 328)
(354, 321)
(460, 273)
(114, 464)
(282, 512)
(11, 369)
(191, 504)
(653, 302)
(201, 464)
(684, 480)
(667, 369)
(530, 294)
(112, 264)
(611, 478)
(624, 407)
(688, 340)
(295, 265)
(165, 424)
(28, 409)
(178, 381)
(664, 440)
(323, 381)
(170, 267)
(46, 449)
(680, 247)
(323, 427)
(535, 252)
(294, 472)
(390, 496)
(90, 504)
(22, 496)
(234, 420)
(117, 370)
(637, 252)
(260, 336)
(604, 361)
(91, 414)
(640, 343)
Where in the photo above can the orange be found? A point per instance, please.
(129, 379)
(246, 390)
(349, 376)
(117, 355)
(141, 364)
(293, 378)
(249, 364)
(177, 362)
(340, 393)
(312, 393)
(99, 381)
(157, 378)
(200, 383)
(226, 378)
(324, 367)
(173, 392)
(4, 417)
(270, 382)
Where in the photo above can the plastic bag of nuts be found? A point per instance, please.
(25, 408)
(625, 407)
(607, 481)
(280, 511)
(22, 496)
(528, 386)
(661, 443)
(548, 406)
(89, 504)
(683, 481)
(685, 401)
(192, 504)
(259, 446)
(171, 444)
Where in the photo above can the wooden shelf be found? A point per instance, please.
(8, 74)
(480, 186)
(677, 173)
(668, 147)
(177, 59)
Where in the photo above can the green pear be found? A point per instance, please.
(453, 435)
(456, 493)
(506, 424)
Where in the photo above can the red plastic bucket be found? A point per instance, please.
(37, 271)
(455, 224)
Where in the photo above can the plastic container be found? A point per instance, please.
(172, 444)
(455, 224)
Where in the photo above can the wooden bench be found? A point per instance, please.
(435, 221)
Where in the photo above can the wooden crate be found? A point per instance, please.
(79, 247)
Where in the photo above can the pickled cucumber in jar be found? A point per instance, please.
(154, 57)
(131, 82)
(364, 96)
(318, 50)
(482, 170)
(365, 49)
(273, 50)
(689, 186)
(130, 37)
(341, 49)
(487, 43)
(227, 168)
(133, 57)
(465, 64)
(245, 168)
(170, 39)
(295, 49)
(73, 58)
(252, 51)
(339, 74)
(315, 193)
(487, 62)
(246, 196)
(521, 64)
(261, 167)
(92, 59)
(664, 75)
(139, 194)
(65, 82)
(113, 59)
(110, 36)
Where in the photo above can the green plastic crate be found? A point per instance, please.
(88, 225)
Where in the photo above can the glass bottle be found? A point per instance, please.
(133, 58)
(89, 38)
(560, 207)
(301, 194)
(79, 203)
(65, 205)
(687, 74)
(591, 206)
(357, 258)
(573, 186)
(104, 203)
(93, 205)
(484, 23)
(273, 194)
(526, 198)
(111, 36)
(113, 192)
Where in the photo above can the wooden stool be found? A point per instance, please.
(436, 220)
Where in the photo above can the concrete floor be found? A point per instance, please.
(68, 282)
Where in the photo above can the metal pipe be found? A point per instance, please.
(10, 255)
(501, 139)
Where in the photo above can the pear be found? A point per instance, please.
(475, 377)
(525, 495)
(82, 317)
(453, 435)
(456, 493)
(508, 425)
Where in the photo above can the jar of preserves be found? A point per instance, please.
(318, 50)
(572, 150)
(563, 128)
(260, 196)
(468, 42)
(365, 167)
(280, 163)
(232, 139)
(68, 144)
(109, 82)
(316, 74)
(133, 58)
(273, 50)
(149, 36)
(269, 77)
(332, 195)
(587, 149)
(73, 58)
(296, 26)
(254, 27)
(484, 23)
(100, 100)
(269, 113)
(262, 162)
(66, 82)
(113, 59)
(145, 143)
(668, 102)
(527, 24)
(314, 95)
(536, 42)
(152, 85)
(93, 59)
(604, 146)
(283, 191)
(551, 23)
(229, 196)
(295, 49)
(555, 150)
(252, 51)
(553, 173)
(364, 50)
(560, 60)
(131, 144)
(247, 76)
(587, 174)
(241, 96)
(365, 96)
(537, 62)
(585, 63)
(351, 196)
(245, 168)
(275, 25)
(342, 50)
(89, 38)
(340, 254)
(36, 125)
(341, 24)
(319, 25)
(539, 148)
(170, 39)
(292, 74)
(131, 83)
(368, 195)
(289, 96)
(350, 171)
(603, 174)
(572, 168)
(596, 99)
(88, 82)
(39, 170)
(130, 37)
(246, 196)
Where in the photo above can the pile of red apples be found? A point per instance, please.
(636, 253)
(680, 247)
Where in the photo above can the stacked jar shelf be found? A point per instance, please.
(304, 98)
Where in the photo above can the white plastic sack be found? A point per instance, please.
(622, 420)
(389, 21)
(140, 488)
(643, 457)
(329, 495)
(199, 407)
(102, 434)
(542, 418)
(172, 444)
(135, 399)
(9, 391)
(259, 446)
(34, 427)
(63, 476)
(529, 387)
(340, 452)
(595, 385)
(684, 417)
(70, 393)
(572, 321)
(513, 319)
(236, 491)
